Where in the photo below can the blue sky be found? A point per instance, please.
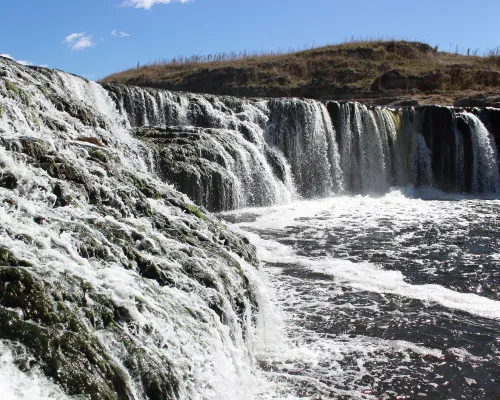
(93, 38)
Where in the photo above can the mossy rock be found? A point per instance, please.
(55, 336)
(77, 110)
(59, 169)
(157, 380)
(195, 211)
(10, 260)
(99, 155)
(36, 148)
(18, 93)
(8, 180)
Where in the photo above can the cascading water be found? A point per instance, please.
(380, 148)
(485, 173)
(364, 148)
(280, 149)
(246, 171)
(113, 284)
(302, 131)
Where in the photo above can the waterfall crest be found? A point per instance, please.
(258, 152)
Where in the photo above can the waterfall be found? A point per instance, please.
(280, 149)
(104, 227)
(302, 131)
(460, 158)
(380, 148)
(485, 173)
(113, 284)
(272, 151)
(229, 153)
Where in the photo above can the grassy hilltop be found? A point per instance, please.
(382, 72)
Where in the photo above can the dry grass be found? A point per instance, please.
(355, 63)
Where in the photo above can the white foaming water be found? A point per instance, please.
(485, 176)
(16, 385)
(209, 358)
(312, 286)
(360, 276)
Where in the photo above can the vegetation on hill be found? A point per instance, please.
(369, 71)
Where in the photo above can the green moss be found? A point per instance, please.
(45, 90)
(157, 196)
(36, 148)
(195, 211)
(50, 326)
(35, 120)
(138, 183)
(13, 88)
(26, 98)
(1, 112)
(99, 155)
(9, 259)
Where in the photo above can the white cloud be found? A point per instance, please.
(79, 41)
(148, 4)
(73, 37)
(7, 56)
(114, 32)
(44, 66)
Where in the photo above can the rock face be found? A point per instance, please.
(112, 284)
(395, 79)
(480, 100)
(189, 158)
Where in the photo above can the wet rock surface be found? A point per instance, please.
(480, 100)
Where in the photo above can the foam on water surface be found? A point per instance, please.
(17, 385)
(359, 329)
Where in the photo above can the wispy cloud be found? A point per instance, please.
(114, 32)
(79, 41)
(148, 4)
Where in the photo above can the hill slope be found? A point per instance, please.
(382, 72)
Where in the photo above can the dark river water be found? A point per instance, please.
(382, 298)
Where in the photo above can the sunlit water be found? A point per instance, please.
(391, 297)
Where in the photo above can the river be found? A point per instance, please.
(382, 297)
